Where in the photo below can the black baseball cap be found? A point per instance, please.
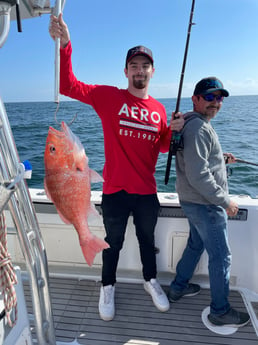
(208, 85)
(138, 50)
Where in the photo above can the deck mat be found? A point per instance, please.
(137, 321)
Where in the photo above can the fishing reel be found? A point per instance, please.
(229, 171)
(177, 143)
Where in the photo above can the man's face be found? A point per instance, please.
(208, 108)
(139, 71)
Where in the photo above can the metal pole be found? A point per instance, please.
(29, 234)
(57, 11)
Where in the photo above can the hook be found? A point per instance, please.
(59, 123)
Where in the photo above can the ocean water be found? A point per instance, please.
(236, 125)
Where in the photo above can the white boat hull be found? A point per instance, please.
(64, 253)
(65, 257)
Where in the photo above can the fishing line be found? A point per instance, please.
(56, 113)
(176, 139)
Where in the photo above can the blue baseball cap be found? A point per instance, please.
(208, 85)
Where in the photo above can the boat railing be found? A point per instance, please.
(24, 217)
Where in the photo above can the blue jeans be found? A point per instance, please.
(208, 230)
(116, 209)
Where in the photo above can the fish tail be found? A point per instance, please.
(91, 247)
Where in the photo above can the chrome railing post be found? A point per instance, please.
(29, 235)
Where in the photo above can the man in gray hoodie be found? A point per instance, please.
(203, 192)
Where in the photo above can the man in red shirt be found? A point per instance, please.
(135, 131)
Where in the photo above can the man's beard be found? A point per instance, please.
(139, 83)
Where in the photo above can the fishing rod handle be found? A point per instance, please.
(169, 160)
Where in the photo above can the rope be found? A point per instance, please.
(7, 276)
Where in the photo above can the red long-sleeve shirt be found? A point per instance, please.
(135, 130)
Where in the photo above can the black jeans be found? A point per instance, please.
(116, 210)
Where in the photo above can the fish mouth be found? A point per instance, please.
(55, 132)
(65, 131)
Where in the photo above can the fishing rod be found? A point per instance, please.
(176, 142)
(246, 162)
(238, 160)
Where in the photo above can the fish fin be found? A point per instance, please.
(95, 177)
(93, 211)
(91, 247)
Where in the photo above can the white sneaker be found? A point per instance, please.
(106, 302)
(159, 297)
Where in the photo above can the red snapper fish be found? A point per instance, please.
(68, 184)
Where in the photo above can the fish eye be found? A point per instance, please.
(52, 149)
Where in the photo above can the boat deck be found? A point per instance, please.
(137, 321)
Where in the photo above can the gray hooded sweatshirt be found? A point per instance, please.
(200, 166)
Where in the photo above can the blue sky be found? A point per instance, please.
(223, 43)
